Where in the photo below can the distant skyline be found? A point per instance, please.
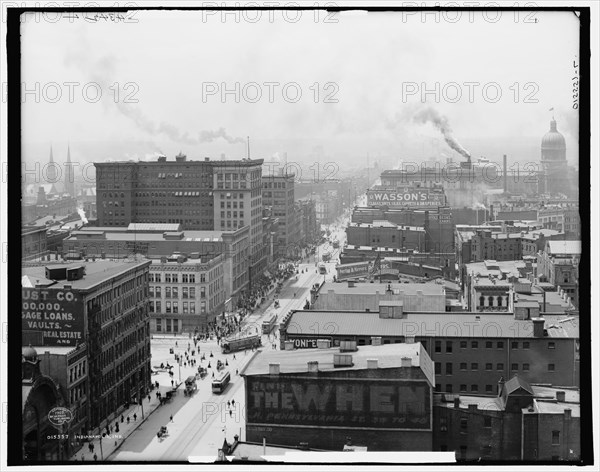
(370, 63)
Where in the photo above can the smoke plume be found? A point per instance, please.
(430, 115)
(82, 215)
(104, 73)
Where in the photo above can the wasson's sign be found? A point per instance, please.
(405, 197)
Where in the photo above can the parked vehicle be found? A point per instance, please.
(190, 385)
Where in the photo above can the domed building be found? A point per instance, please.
(554, 175)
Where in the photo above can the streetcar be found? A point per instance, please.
(322, 268)
(220, 384)
(326, 257)
(268, 325)
(238, 344)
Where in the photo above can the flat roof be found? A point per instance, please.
(363, 288)
(201, 236)
(154, 227)
(443, 324)
(62, 350)
(566, 248)
(95, 273)
(296, 361)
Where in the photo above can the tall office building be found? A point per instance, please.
(199, 195)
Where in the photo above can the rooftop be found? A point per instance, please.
(443, 324)
(372, 288)
(388, 356)
(563, 248)
(95, 273)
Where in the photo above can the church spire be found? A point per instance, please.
(51, 174)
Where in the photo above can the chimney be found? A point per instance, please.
(560, 396)
(288, 345)
(313, 366)
(538, 327)
(375, 340)
(323, 343)
(500, 386)
(274, 368)
(457, 402)
(406, 362)
(409, 339)
(567, 414)
(472, 407)
(505, 164)
(371, 363)
(351, 283)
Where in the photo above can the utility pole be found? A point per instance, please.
(248, 153)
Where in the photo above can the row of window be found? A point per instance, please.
(488, 345)
(173, 307)
(174, 278)
(488, 367)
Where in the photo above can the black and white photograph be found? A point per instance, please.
(275, 235)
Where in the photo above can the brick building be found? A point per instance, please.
(366, 296)
(105, 306)
(186, 294)
(158, 240)
(33, 242)
(559, 265)
(521, 422)
(470, 350)
(386, 234)
(278, 193)
(380, 396)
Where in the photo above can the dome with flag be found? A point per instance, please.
(553, 140)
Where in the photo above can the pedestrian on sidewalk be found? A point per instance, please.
(127, 419)
(95, 457)
(149, 397)
(171, 382)
(230, 413)
(82, 458)
(91, 447)
(171, 419)
(135, 417)
(228, 403)
(233, 401)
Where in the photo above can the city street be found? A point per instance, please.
(201, 422)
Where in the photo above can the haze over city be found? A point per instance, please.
(173, 67)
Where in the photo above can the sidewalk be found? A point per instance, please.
(114, 440)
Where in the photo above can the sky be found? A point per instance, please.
(342, 87)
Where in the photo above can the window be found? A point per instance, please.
(438, 346)
(463, 387)
(514, 345)
(489, 366)
(525, 367)
(438, 368)
(463, 366)
(500, 345)
(489, 389)
(192, 292)
(474, 345)
(500, 366)
(463, 344)
(448, 346)
(475, 388)
(525, 344)
(167, 277)
(192, 307)
(184, 292)
(499, 301)
(550, 367)
(448, 388)
(158, 308)
(488, 344)
(491, 301)
(551, 345)
(463, 452)
(514, 367)
(184, 278)
(443, 423)
(185, 307)
(167, 307)
(168, 292)
(448, 368)
(555, 438)
(474, 366)
(481, 300)
(464, 423)
(175, 307)
(158, 324)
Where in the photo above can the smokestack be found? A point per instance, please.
(538, 327)
(406, 362)
(274, 368)
(371, 363)
(560, 396)
(505, 173)
(313, 366)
